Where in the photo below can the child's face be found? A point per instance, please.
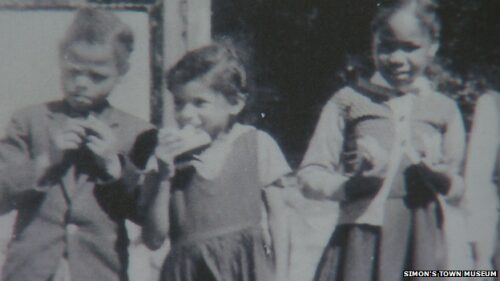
(89, 73)
(402, 49)
(203, 108)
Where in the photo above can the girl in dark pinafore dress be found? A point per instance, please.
(390, 151)
(215, 198)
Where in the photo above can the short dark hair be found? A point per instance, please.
(97, 26)
(217, 65)
(425, 11)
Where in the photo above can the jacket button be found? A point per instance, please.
(71, 228)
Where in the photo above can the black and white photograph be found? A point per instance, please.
(249, 140)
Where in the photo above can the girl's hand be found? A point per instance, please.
(423, 184)
(368, 180)
(373, 155)
(432, 154)
(169, 145)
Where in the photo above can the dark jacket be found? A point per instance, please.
(73, 210)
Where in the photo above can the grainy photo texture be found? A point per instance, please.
(210, 140)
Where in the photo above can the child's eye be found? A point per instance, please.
(179, 104)
(73, 73)
(386, 48)
(97, 77)
(408, 47)
(199, 102)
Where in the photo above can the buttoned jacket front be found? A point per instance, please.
(351, 115)
(74, 212)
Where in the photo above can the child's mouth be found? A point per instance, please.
(81, 98)
(401, 75)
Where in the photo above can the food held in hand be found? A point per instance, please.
(193, 140)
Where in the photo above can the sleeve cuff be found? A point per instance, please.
(319, 184)
(360, 187)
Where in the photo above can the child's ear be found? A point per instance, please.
(433, 49)
(239, 104)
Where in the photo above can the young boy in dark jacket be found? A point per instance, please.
(64, 164)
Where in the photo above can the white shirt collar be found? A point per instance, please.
(211, 161)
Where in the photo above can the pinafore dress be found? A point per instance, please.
(216, 228)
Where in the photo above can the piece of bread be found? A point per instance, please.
(193, 139)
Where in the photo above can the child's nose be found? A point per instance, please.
(82, 81)
(397, 57)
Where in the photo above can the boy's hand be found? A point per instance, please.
(101, 140)
(70, 136)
